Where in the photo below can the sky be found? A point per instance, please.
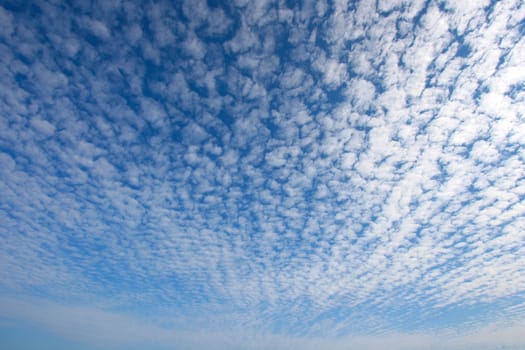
(332, 175)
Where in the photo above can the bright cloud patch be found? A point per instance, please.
(289, 175)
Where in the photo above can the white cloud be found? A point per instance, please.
(362, 93)
(6, 19)
(194, 47)
(43, 127)
(96, 27)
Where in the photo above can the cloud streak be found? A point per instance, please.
(102, 328)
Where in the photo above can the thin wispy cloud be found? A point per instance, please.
(313, 174)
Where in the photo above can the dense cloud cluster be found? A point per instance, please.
(298, 168)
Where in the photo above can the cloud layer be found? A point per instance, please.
(300, 170)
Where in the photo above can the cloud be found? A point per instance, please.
(95, 27)
(7, 22)
(311, 174)
(43, 127)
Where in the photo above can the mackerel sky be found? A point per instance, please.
(331, 175)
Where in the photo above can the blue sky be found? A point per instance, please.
(262, 175)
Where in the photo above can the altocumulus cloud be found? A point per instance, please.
(270, 174)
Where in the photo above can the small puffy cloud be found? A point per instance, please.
(7, 163)
(362, 92)
(194, 134)
(6, 20)
(484, 151)
(96, 27)
(42, 127)
(194, 47)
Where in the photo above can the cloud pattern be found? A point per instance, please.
(301, 168)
